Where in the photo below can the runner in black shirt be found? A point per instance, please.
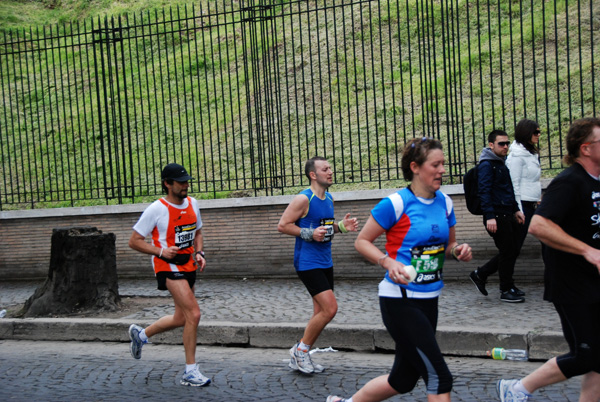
(568, 223)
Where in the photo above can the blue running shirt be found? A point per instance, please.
(315, 255)
(417, 232)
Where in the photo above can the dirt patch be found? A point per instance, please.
(128, 306)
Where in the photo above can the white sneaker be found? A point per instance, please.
(300, 360)
(335, 398)
(318, 368)
(135, 347)
(194, 378)
(507, 392)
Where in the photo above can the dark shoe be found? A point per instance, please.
(510, 296)
(517, 291)
(480, 284)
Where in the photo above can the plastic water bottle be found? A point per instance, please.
(508, 354)
(2, 313)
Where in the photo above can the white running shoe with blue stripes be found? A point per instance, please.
(194, 378)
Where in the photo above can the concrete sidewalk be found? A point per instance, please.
(273, 313)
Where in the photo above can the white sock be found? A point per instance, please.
(520, 388)
(143, 336)
(303, 346)
(190, 367)
(349, 399)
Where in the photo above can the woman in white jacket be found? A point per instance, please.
(525, 171)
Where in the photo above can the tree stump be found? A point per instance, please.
(82, 274)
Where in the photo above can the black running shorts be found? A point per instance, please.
(317, 280)
(581, 328)
(161, 278)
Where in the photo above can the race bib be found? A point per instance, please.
(184, 235)
(428, 262)
(328, 223)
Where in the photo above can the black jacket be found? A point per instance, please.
(495, 187)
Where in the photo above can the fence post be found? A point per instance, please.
(263, 125)
(103, 58)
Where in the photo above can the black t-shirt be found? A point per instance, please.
(572, 201)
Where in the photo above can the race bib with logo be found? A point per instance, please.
(428, 262)
(184, 235)
(328, 223)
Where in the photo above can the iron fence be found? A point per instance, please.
(243, 92)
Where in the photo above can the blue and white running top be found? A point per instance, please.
(315, 255)
(417, 233)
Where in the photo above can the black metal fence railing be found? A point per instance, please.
(242, 93)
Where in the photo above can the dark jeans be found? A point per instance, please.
(528, 211)
(508, 240)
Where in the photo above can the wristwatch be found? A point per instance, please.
(201, 253)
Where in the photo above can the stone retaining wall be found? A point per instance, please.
(241, 238)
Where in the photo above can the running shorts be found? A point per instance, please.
(317, 280)
(161, 278)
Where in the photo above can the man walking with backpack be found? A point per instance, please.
(501, 217)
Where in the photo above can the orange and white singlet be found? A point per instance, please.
(171, 225)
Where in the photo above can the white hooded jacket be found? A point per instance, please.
(525, 172)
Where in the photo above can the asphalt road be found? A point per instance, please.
(94, 371)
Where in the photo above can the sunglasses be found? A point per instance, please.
(422, 141)
(537, 132)
(504, 143)
(589, 143)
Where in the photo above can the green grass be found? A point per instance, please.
(26, 13)
(345, 86)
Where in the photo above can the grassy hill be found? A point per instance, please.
(246, 107)
(16, 14)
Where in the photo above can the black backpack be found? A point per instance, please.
(471, 188)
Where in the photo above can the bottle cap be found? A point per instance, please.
(497, 353)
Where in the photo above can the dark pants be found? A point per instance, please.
(528, 211)
(581, 327)
(508, 240)
(412, 324)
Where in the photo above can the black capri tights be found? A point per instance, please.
(581, 327)
(412, 324)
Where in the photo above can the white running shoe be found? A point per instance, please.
(135, 347)
(335, 398)
(300, 360)
(194, 379)
(507, 392)
(318, 368)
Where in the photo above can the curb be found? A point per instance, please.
(457, 341)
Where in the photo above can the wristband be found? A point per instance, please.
(381, 259)
(453, 253)
(306, 234)
(201, 253)
(161, 250)
(342, 227)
